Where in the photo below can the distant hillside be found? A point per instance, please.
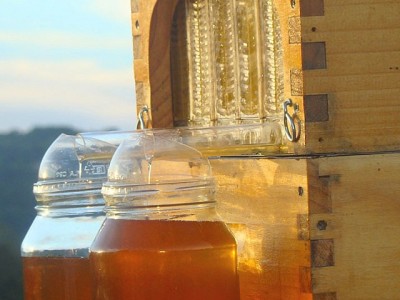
(20, 157)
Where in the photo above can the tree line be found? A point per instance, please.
(20, 157)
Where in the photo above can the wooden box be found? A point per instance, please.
(340, 66)
(320, 221)
(314, 228)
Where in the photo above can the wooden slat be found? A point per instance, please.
(373, 99)
(292, 65)
(151, 28)
(323, 280)
(319, 201)
(366, 209)
(362, 16)
(142, 14)
(362, 63)
(359, 120)
(348, 2)
(260, 201)
(314, 84)
(351, 41)
(361, 78)
(160, 63)
(351, 141)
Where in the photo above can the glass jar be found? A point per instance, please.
(162, 238)
(69, 214)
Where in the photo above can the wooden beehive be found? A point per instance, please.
(314, 228)
(351, 75)
(160, 48)
(341, 66)
(321, 221)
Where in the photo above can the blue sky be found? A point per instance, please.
(66, 63)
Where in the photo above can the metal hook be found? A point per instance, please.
(292, 134)
(141, 122)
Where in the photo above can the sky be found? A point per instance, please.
(66, 63)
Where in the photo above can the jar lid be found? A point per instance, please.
(224, 140)
(149, 171)
(73, 167)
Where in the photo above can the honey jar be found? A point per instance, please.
(162, 238)
(69, 214)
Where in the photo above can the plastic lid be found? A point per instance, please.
(244, 139)
(152, 172)
(73, 167)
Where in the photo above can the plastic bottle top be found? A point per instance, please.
(71, 174)
(243, 139)
(149, 175)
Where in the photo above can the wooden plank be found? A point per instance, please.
(151, 26)
(373, 99)
(318, 191)
(260, 201)
(141, 15)
(179, 67)
(362, 16)
(362, 38)
(317, 84)
(351, 41)
(358, 121)
(362, 63)
(383, 118)
(160, 63)
(347, 2)
(359, 118)
(361, 78)
(323, 280)
(351, 140)
(366, 207)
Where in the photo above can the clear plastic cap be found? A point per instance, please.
(152, 173)
(73, 168)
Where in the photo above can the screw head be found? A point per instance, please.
(322, 224)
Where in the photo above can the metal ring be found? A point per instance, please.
(141, 121)
(292, 134)
(291, 137)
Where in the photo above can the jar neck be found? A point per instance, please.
(158, 201)
(204, 211)
(72, 206)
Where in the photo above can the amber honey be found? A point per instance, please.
(160, 259)
(57, 278)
